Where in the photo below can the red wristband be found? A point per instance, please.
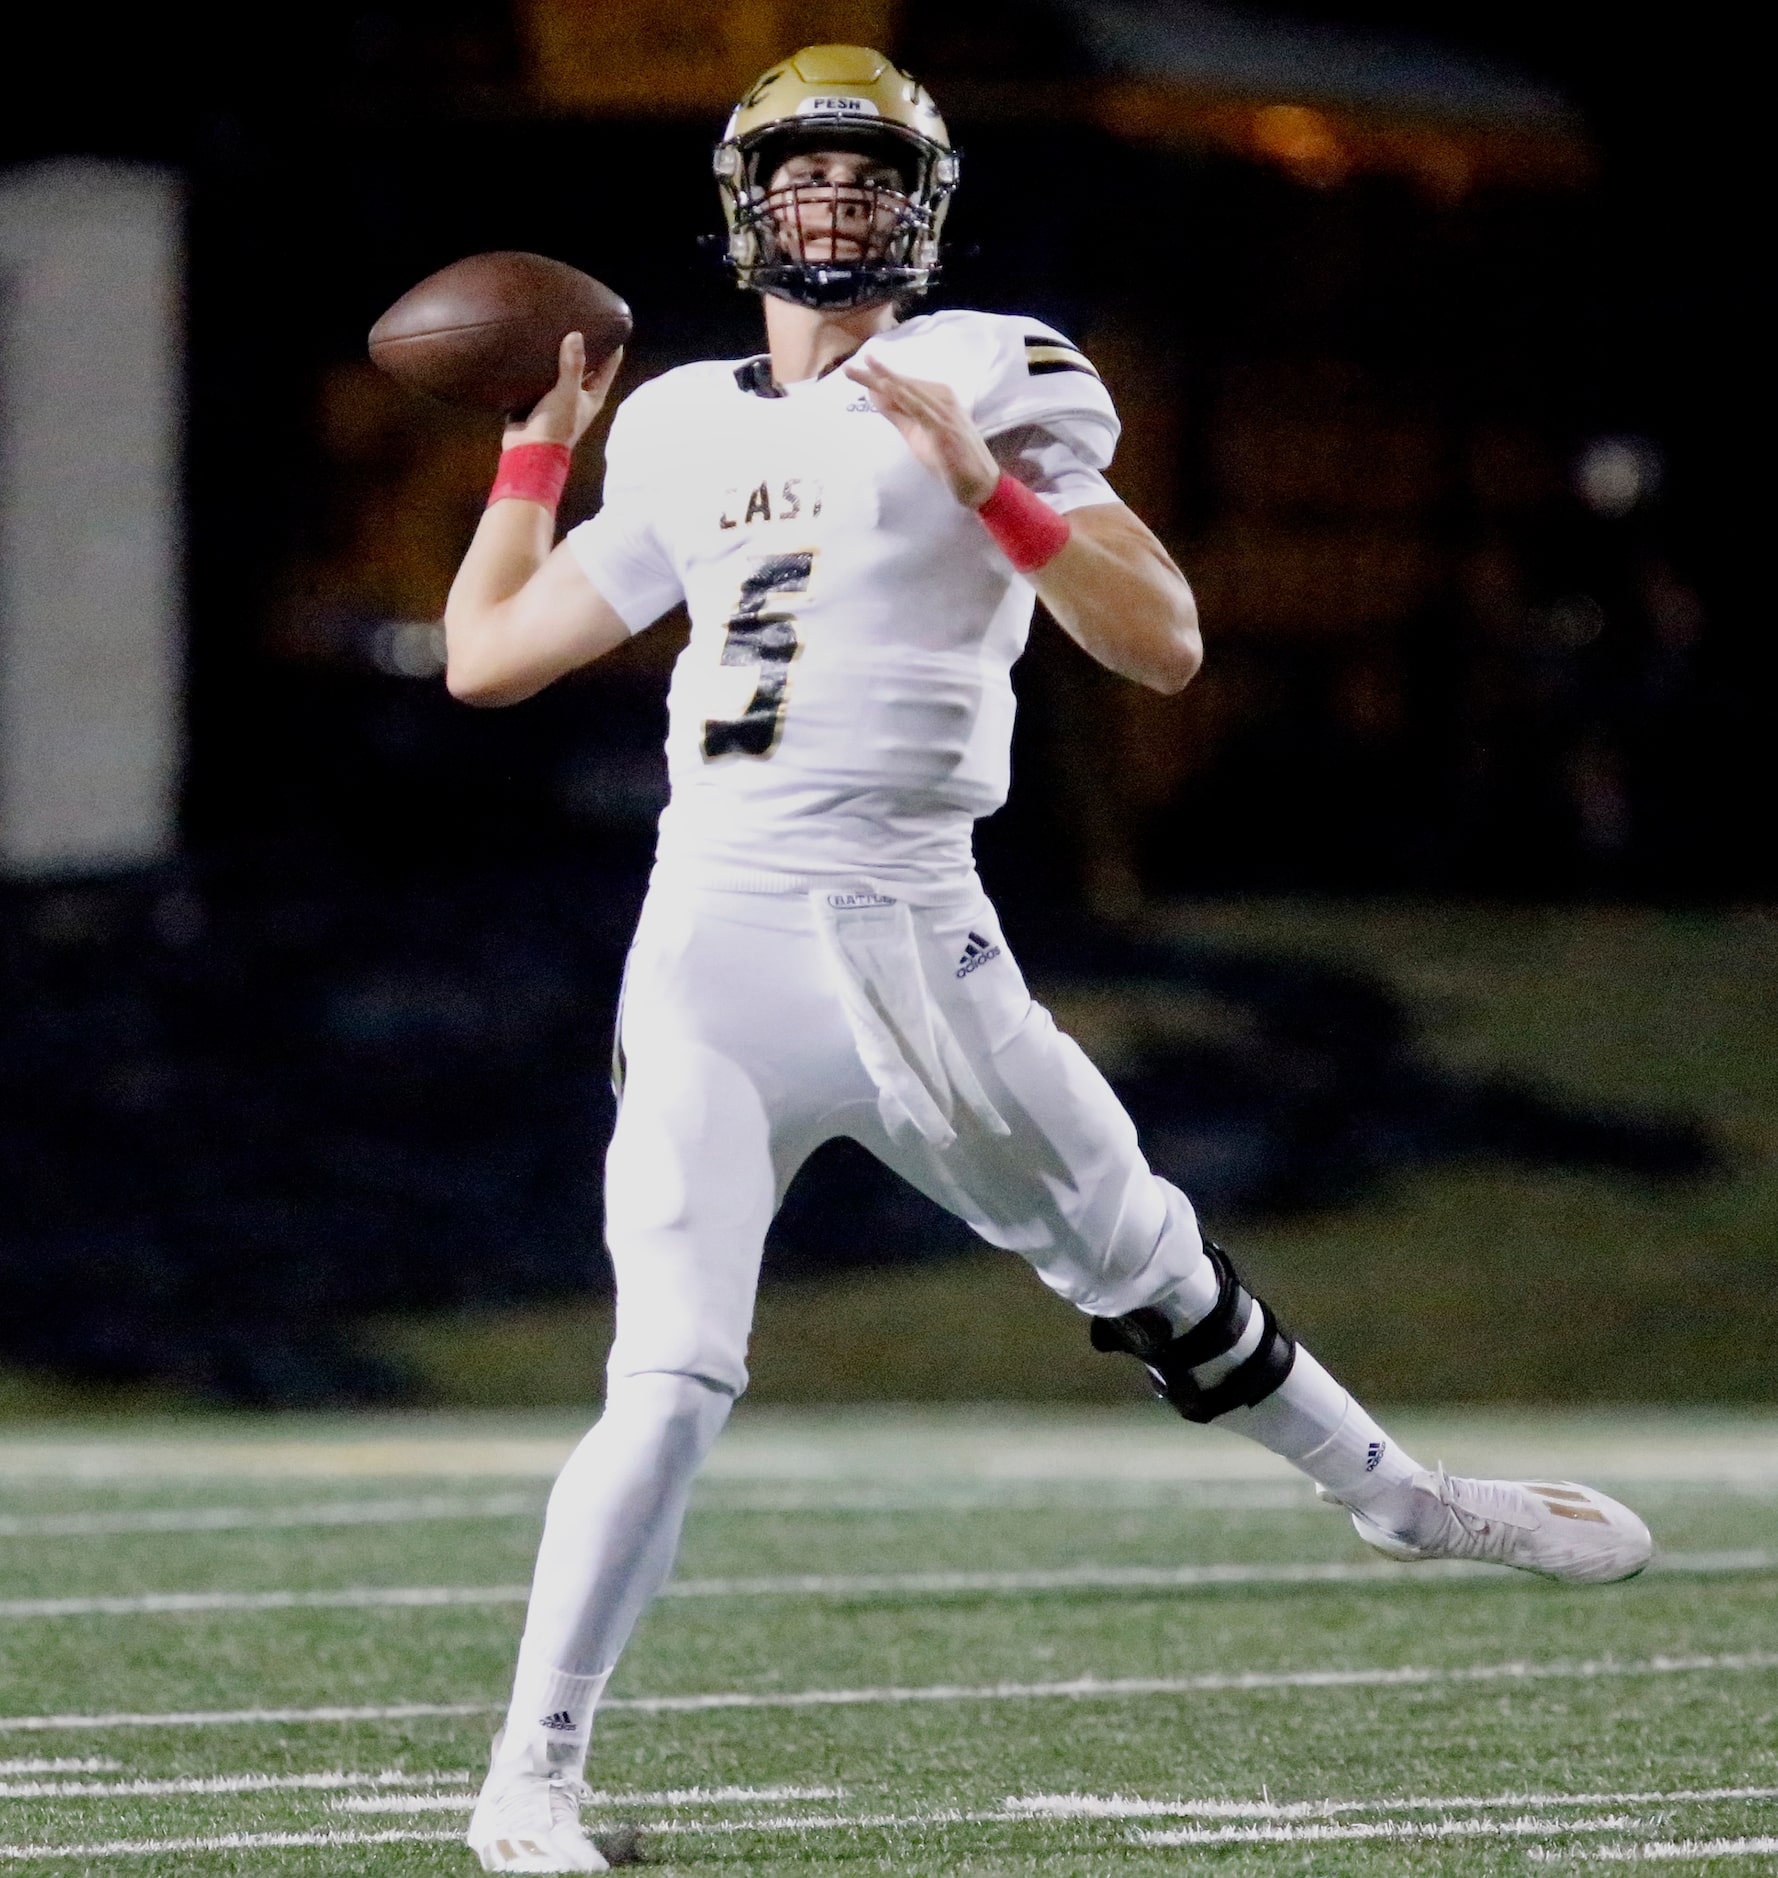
(1029, 532)
(532, 472)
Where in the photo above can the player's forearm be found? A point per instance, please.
(521, 614)
(1116, 592)
(487, 660)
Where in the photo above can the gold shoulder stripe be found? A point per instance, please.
(1057, 359)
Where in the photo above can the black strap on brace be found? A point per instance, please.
(1170, 1359)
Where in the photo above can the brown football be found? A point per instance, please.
(485, 332)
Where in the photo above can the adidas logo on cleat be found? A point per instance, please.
(979, 951)
(1373, 1456)
(561, 1721)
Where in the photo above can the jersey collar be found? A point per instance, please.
(755, 376)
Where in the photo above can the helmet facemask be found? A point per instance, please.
(826, 243)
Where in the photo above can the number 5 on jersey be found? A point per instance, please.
(768, 640)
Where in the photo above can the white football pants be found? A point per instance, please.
(754, 1027)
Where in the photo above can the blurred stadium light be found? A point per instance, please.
(1616, 475)
(91, 600)
(1319, 102)
(651, 57)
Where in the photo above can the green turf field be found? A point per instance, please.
(991, 1642)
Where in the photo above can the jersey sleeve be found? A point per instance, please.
(620, 549)
(1038, 381)
(1051, 464)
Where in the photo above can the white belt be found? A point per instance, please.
(903, 1038)
(685, 876)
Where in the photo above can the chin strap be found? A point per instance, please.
(1232, 1358)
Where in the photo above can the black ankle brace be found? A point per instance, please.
(1170, 1357)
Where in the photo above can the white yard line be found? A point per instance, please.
(738, 1498)
(1647, 1850)
(892, 1822)
(1238, 1682)
(1653, 1851)
(1397, 1829)
(153, 1519)
(862, 1585)
(198, 1603)
(1400, 1831)
(409, 1804)
(965, 1497)
(1119, 1806)
(673, 1796)
(910, 1450)
(396, 1794)
(228, 1842)
(256, 1841)
(1039, 1809)
(1084, 1688)
(715, 1796)
(85, 1764)
(1294, 1495)
(245, 1717)
(462, 1783)
(226, 1783)
(818, 1822)
(1166, 1577)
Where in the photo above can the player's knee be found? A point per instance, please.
(670, 1419)
(683, 1327)
(667, 1393)
(1235, 1355)
(681, 1412)
(1153, 1255)
(656, 1428)
(716, 1361)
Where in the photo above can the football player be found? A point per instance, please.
(858, 519)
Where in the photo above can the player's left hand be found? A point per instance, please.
(937, 429)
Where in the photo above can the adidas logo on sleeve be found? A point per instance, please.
(978, 951)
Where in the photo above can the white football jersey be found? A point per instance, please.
(844, 707)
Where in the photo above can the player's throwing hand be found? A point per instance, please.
(937, 429)
(564, 412)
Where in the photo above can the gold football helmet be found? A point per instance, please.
(836, 98)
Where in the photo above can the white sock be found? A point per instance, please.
(550, 1720)
(608, 1543)
(1318, 1427)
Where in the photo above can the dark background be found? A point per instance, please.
(345, 1054)
(332, 162)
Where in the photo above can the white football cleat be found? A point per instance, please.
(1558, 1528)
(525, 1820)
